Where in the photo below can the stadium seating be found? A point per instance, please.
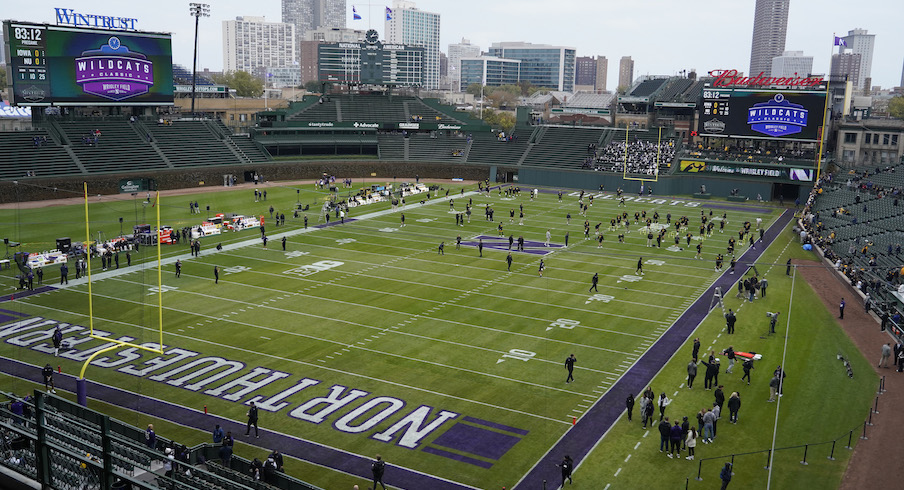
(489, 149)
(120, 147)
(561, 147)
(247, 147)
(648, 87)
(191, 144)
(371, 109)
(19, 157)
(392, 146)
(434, 147)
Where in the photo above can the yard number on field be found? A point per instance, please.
(605, 298)
(235, 269)
(343, 241)
(655, 262)
(563, 323)
(521, 355)
(162, 289)
(297, 253)
(629, 278)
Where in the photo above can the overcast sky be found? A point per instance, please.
(662, 36)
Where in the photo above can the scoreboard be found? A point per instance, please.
(56, 65)
(371, 62)
(775, 114)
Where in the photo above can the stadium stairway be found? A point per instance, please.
(559, 147)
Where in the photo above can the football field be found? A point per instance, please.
(364, 338)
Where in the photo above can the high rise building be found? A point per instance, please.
(792, 64)
(542, 65)
(252, 43)
(602, 72)
(845, 66)
(591, 73)
(307, 15)
(457, 51)
(770, 26)
(625, 72)
(902, 76)
(405, 24)
(859, 42)
(585, 71)
(489, 71)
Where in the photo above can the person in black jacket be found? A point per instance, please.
(252, 420)
(277, 458)
(629, 403)
(665, 432)
(569, 365)
(711, 369)
(734, 404)
(47, 372)
(567, 466)
(720, 397)
(691, 373)
(748, 365)
(378, 467)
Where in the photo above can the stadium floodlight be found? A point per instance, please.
(197, 10)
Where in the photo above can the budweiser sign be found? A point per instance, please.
(730, 78)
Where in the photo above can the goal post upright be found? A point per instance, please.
(81, 382)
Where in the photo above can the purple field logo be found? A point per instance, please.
(114, 72)
(777, 117)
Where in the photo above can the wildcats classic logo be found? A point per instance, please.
(114, 72)
(777, 117)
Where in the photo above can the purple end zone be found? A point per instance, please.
(494, 425)
(501, 243)
(14, 313)
(477, 441)
(458, 457)
(335, 222)
(581, 438)
(8, 318)
(24, 293)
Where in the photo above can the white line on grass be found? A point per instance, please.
(304, 363)
(637, 445)
(617, 472)
(627, 458)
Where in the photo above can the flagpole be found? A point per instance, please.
(825, 110)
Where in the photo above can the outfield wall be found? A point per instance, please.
(212, 176)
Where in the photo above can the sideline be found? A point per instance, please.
(590, 429)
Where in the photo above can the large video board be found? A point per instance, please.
(776, 114)
(55, 65)
(371, 62)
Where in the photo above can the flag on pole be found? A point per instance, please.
(388, 13)
(355, 15)
(839, 41)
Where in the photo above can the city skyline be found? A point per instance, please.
(593, 28)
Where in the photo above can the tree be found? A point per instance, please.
(312, 86)
(474, 89)
(896, 107)
(501, 98)
(245, 84)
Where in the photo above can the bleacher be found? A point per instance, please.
(20, 158)
(562, 147)
(246, 146)
(435, 147)
(120, 148)
(647, 87)
(675, 88)
(190, 144)
(487, 148)
(74, 438)
(392, 146)
(370, 109)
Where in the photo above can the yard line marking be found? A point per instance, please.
(617, 472)
(607, 486)
(329, 357)
(681, 385)
(637, 445)
(598, 391)
(266, 338)
(335, 370)
(583, 406)
(675, 394)
(646, 433)
(626, 460)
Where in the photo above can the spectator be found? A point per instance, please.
(217, 435)
(734, 404)
(150, 437)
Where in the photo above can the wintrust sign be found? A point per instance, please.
(71, 17)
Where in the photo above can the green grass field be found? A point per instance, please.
(356, 329)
